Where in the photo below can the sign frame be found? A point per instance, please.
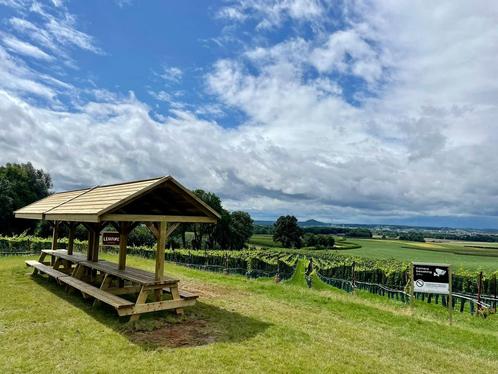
(113, 238)
(413, 285)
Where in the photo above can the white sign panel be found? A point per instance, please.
(431, 278)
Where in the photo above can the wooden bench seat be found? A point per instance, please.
(183, 294)
(46, 269)
(104, 296)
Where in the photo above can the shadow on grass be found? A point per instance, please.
(200, 325)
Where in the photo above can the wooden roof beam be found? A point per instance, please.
(157, 218)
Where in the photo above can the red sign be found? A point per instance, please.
(110, 238)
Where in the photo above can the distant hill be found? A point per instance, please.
(313, 223)
(264, 223)
(308, 223)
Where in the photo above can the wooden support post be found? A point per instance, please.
(161, 243)
(55, 238)
(70, 241)
(123, 242)
(93, 240)
(95, 252)
(55, 235)
(90, 244)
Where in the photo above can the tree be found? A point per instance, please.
(414, 236)
(141, 236)
(241, 229)
(221, 232)
(319, 241)
(230, 232)
(20, 185)
(287, 232)
(200, 230)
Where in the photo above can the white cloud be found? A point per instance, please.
(26, 49)
(161, 96)
(421, 139)
(64, 32)
(171, 74)
(56, 30)
(16, 77)
(272, 13)
(347, 52)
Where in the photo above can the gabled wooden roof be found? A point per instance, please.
(159, 199)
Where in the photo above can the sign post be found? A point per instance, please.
(412, 287)
(450, 296)
(435, 279)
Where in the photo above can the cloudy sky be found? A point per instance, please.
(347, 111)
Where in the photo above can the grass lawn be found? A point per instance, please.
(238, 325)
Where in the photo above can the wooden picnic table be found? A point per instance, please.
(104, 281)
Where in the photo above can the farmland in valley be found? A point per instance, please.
(465, 255)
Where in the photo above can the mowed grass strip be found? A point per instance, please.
(239, 325)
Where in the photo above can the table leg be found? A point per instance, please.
(42, 257)
(57, 263)
(176, 296)
(141, 299)
(106, 282)
(158, 292)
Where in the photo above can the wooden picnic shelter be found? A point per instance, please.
(161, 204)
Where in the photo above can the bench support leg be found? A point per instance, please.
(106, 282)
(141, 299)
(176, 296)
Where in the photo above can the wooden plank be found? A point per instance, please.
(73, 217)
(158, 218)
(161, 244)
(106, 297)
(171, 228)
(46, 269)
(131, 274)
(155, 306)
(153, 229)
(38, 216)
(183, 294)
(62, 253)
(126, 290)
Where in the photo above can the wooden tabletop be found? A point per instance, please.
(131, 274)
(76, 257)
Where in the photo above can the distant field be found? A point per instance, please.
(263, 240)
(460, 254)
(452, 253)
